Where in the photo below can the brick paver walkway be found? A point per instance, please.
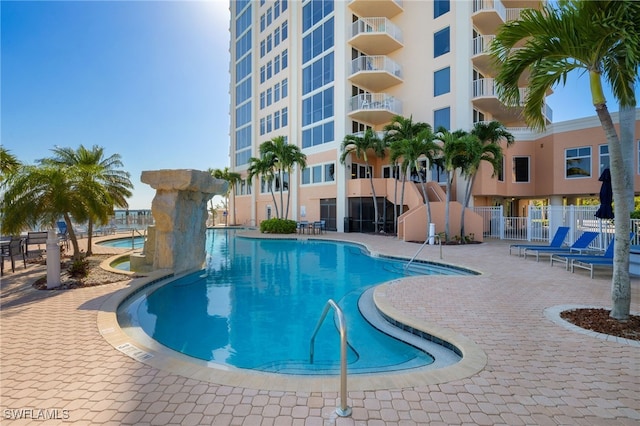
(55, 363)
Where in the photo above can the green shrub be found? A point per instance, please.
(278, 226)
(79, 268)
(635, 214)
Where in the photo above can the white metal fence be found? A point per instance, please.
(541, 222)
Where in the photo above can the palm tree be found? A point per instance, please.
(485, 147)
(397, 132)
(284, 157)
(41, 194)
(413, 152)
(232, 178)
(95, 169)
(453, 148)
(473, 153)
(9, 164)
(264, 169)
(360, 146)
(601, 38)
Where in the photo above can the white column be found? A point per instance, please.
(53, 260)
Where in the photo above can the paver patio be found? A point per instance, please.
(55, 362)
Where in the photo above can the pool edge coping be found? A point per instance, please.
(473, 360)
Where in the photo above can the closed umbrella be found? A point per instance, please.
(606, 196)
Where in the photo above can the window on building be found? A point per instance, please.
(285, 88)
(263, 48)
(263, 74)
(285, 59)
(276, 92)
(478, 116)
(262, 100)
(440, 7)
(269, 43)
(269, 16)
(276, 9)
(438, 173)
(441, 44)
(442, 81)
(263, 23)
(276, 120)
(285, 116)
(269, 96)
(285, 30)
(306, 176)
(263, 126)
(578, 162)
(269, 123)
(442, 118)
(521, 169)
(604, 157)
(276, 64)
(269, 70)
(329, 172)
(501, 171)
(316, 174)
(276, 37)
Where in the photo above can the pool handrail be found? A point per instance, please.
(344, 410)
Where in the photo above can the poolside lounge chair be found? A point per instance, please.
(567, 258)
(590, 264)
(580, 245)
(557, 241)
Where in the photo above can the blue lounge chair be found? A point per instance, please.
(557, 241)
(580, 245)
(590, 264)
(568, 258)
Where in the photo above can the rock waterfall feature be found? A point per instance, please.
(180, 212)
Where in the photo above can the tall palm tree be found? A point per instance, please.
(38, 195)
(601, 38)
(485, 148)
(95, 169)
(413, 152)
(284, 156)
(263, 168)
(397, 133)
(232, 178)
(473, 153)
(361, 146)
(453, 147)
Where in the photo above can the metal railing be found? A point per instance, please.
(437, 240)
(344, 410)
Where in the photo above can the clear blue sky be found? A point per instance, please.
(148, 80)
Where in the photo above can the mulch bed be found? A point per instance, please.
(598, 320)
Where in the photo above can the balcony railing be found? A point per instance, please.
(481, 44)
(376, 36)
(375, 73)
(374, 108)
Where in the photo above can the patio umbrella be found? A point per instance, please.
(606, 196)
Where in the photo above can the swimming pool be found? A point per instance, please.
(138, 242)
(257, 302)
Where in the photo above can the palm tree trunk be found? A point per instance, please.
(72, 236)
(467, 197)
(620, 280)
(233, 197)
(89, 237)
(281, 194)
(375, 201)
(395, 200)
(446, 208)
(286, 215)
(426, 203)
(275, 204)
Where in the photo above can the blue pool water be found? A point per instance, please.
(257, 303)
(138, 242)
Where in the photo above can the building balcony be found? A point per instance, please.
(375, 73)
(485, 99)
(482, 60)
(386, 8)
(374, 108)
(488, 15)
(375, 36)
